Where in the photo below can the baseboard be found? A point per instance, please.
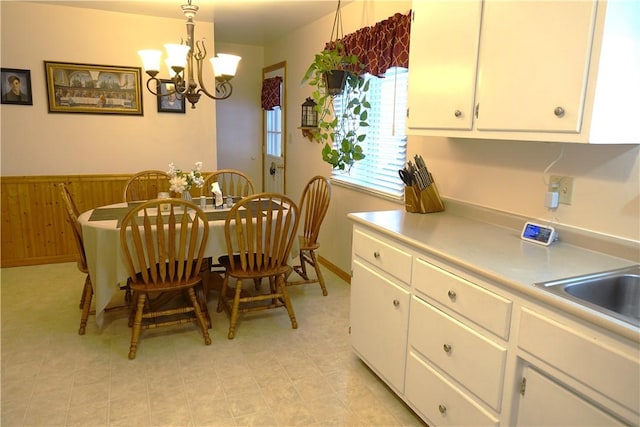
(38, 261)
(335, 269)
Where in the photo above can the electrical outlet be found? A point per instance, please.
(563, 185)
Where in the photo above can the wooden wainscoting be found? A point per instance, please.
(34, 222)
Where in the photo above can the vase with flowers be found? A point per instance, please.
(182, 181)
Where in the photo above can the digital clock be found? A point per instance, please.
(539, 234)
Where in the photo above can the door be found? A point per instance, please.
(534, 59)
(543, 402)
(442, 69)
(380, 339)
(274, 131)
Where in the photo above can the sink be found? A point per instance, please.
(615, 293)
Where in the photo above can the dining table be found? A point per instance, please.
(103, 250)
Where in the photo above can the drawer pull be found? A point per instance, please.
(452, 295)
(396, 303)
(376, 254)
(446, 348)
(442, 409)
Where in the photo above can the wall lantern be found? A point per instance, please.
(309, 120)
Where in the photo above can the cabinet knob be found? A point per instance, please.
(458, 113)
(452, 295)
(396, 303)
(446, 348)
(376, 254)
(559, 112)
(442, 409)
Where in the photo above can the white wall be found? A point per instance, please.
(35, 142)
(239, 118)
(503, 175)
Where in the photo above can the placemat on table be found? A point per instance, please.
(152, 218)
(261, 205)
(105, 214)
(216, 215)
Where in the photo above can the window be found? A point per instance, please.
(273, 122)
(385, 147)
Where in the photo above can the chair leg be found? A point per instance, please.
(87, 295)
(234, 310)
(137, 324)
(316, 265)
(83, 295)
(303, 266)
(287, 302)
(222, 296)
(201, 320)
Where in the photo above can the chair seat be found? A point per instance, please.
(165, 286)
(251, 274)
(306, 244)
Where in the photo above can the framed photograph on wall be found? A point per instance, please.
(169, 103)
(93, 89)
(16, 86)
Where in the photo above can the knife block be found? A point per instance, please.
(425, 201)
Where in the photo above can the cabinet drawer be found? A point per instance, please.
(384, 254)
(483, 307)
(473, 360)
(439, 400)
(603, 368)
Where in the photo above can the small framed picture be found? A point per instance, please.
(16, 86)
(169, 102)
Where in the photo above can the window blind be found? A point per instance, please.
(385, 146)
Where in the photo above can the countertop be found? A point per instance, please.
(497, 253)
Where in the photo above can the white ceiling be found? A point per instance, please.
(254, 22)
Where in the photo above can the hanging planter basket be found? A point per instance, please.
(335, 80)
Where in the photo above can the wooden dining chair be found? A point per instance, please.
(163, 254)
(232, 183)
(146, 185)
(314, 204)
(259, 233)
(87, 289)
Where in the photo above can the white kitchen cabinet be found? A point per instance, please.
(380, 308)
(534, 63)
(565, 71)
(582, 354)
(543, 402)
(442, 66)
(476, 362)
(441, 401)
(455, 344)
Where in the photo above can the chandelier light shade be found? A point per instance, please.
(185, 60)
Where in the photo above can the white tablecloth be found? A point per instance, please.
(106, 262)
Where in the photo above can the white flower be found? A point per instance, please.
(183, 181)
(178, 184)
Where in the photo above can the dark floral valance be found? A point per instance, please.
(381, 46)
(271, 92)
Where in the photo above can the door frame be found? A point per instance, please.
(265, 70)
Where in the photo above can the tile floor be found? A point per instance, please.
(269, 375)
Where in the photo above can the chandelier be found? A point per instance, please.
(180, 61)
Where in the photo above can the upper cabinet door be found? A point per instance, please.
(534, 62)
(442, 63)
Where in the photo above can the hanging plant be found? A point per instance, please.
(343, 131)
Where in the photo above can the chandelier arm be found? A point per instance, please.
(223, 87)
